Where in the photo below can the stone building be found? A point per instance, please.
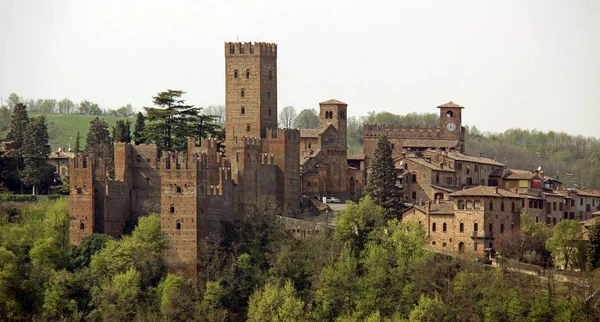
(448, 136)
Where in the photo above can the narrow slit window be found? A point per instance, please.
(243, 110)
(247, 73)
(235, 73)
(243, 93)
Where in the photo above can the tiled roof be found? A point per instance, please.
(451, 104)
(497, 172)
(357, 156)
(445, 188)
(586, 193)
(333, 102)
(429, 143)
(329, 125)
(61, 155)
(469, 158)
(485, 191)
(514, 174)
(442, 208)
(309, 133)
(425, 163)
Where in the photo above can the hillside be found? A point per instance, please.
(62, 128)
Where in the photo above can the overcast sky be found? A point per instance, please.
(527, 64)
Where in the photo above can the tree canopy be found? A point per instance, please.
(307, 119)
(382, 180)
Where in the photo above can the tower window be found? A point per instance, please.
(392, 146)
(248, 127)
(462, 228)
(433, 227)
(268, 94)
(178, 226)
(444, 229)
(270, 75)
(235, 73)
(247, 73)
(178, 189)
(243, 110)
(172, 209)
(269, 112)
(449, 114)
(243, 93)
(82, 225)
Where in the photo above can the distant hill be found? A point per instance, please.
(62, 128)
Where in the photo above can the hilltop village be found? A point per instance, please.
(465, 202)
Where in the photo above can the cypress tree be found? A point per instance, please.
(77, 148)
(138, 129)
(98, 144)
(593, 250)
(18, 126)
(122, 132)
(35, 152)
(381, 184)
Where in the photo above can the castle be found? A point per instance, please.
(215, 183)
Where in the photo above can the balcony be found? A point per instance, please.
(482, 234)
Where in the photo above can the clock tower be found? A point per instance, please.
(450, 120)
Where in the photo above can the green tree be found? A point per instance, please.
(5, 118)
(381, 184)
(287, 117)
(89, 108)
(13, 100)
(307, 119)
(18, 126)
(98, 144)
(77, 147)
(429, 309)
(593, 250)
(81, 255)
(274, 303)
(171, 123)
(58, 301)
(48, 106)
(564, 242)
(117, 298)
(355, 224)
(177, 298)
(65, 106)
(138, 129)
(36, 151)
(122, 131)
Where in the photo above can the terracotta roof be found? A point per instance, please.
(442, 208)
(586, 193)
(429, 143)
(309, 133)
(469, 158)
(329, 125)
(425, 163)
(357, 156)
(445, 188)
(514, 174)
(333, 102)
(61, 155)
(485, 191)
(451, 104)
(596, 213)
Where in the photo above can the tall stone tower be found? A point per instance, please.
(335, 112)
(250, 89)
(451, 120)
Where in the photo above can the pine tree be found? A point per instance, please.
(173, 122)
(77, 148)
(98, 144)
(593, 250)
(121, 132)
(382, 180)
(35, 152)
(138, 129)
(18, 126)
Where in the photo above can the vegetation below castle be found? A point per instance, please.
(366, 270)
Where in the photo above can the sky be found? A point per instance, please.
(511, 64)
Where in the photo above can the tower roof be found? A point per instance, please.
(451, 104)
(332, 102)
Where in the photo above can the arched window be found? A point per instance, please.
(247, 73)
(433, 227)
(406, 166)
(243, 110)
(178, 226)
(461, 247)
(491, 227)
(81, 225)
(475, 226)
(449, 114)
(462, 227)
(444, 229)
(414, 178)
(491, 205)
(242, 92)
(235, 73)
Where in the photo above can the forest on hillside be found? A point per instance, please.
(367, 269)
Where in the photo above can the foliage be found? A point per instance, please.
(307, 119)
(98, 144)
(138, 129)
(77, 147)
(429, 309)
(123, 111)
(117, 297)
(35, 152)
(355, 224)
(593, 250)
(177, 298)
(382, 180)
(172, 122)
(275, 303)
(121, 132)
(287, 116)
(88, 108)
(527, 244)
(18, 126)
(563, 243)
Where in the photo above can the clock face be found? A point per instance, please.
(451, 127)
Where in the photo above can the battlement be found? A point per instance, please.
(174, 161)
(208, 143)
(386, 129)
(283, 135)
(249, 48)
(247, 143)
(267, 158)
(80, 161)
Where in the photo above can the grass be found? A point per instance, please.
(62, 128)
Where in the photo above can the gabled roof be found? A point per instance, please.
(514, 174)
(309, 133)
(357, 156)
(485, 191)
(332, 102)
(326, 128)
(451, 104)
(469, 158)
(427, 143)
(425, 163)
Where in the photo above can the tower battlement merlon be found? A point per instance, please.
(250, 48)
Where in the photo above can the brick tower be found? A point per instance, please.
(250, 89)
(450, 120)
(334, 112)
